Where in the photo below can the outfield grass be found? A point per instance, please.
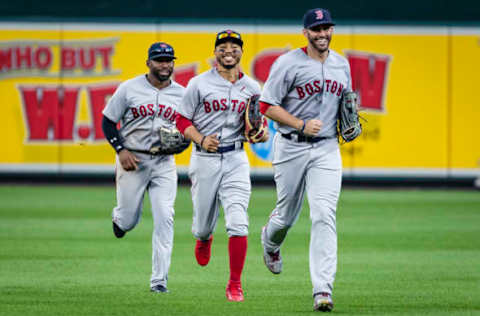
(400, 252)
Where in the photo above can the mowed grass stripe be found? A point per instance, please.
(400, 252)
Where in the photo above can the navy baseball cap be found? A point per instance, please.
(228, 36)
(318, 16)
(161, 49)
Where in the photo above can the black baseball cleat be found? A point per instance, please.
(159, 289)
(119, 233)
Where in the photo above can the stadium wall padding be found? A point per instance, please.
(417, 87)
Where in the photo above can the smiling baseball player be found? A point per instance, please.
(212, 116)
(146, 106)
(302, 94)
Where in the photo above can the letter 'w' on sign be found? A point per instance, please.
(369, 78)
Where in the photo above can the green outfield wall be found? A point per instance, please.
(461, 11)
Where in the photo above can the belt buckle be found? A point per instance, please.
(295, 137)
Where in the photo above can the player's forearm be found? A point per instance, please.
(278, 114)
(193, 134)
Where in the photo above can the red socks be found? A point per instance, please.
(237, 249)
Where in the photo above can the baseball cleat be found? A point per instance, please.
(322, 302)
(234, 291)
(203, 250)
(159, 289)
(117, 231)
(273, 260)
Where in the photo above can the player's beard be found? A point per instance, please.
(162, 77)
(320, 48)
(228, 66)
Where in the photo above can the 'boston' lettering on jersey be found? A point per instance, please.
(221, 105)
(148, 110)
(331, 86)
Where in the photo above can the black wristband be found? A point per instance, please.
(303, 127)
(201, 142)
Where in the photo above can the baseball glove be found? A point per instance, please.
(256, 125)
(171, 142)
(349, 126)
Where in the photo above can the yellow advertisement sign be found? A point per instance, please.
(414, 89)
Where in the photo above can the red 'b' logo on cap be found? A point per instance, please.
(319, 14)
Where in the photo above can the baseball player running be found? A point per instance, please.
(212, 116)
(143, 105)
(302, 94)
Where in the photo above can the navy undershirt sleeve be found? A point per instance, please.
(111, 133)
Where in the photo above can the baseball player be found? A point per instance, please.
(143, 105)
(212, 116)
(302, 95)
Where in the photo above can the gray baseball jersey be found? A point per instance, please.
(141, 110)
(215, 105)
(308, 89)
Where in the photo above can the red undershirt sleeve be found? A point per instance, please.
(183, 123)
(264, 107)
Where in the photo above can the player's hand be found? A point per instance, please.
(210, 143)
(312, 127)
(128, 160)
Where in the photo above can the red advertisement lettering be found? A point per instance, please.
(105, 53)
(49, 109)
(67, 58)
(24, 57)
(43, 57)
(369, 76)
(98, 96)
(263, 62)
(183, 74)
(5, 59)
(87, 58)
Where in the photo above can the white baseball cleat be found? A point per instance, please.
(273, 260)
(322, 302)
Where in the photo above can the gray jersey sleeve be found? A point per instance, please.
(349, 76)
(279, 82)
(117, 105)
(190, 99)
